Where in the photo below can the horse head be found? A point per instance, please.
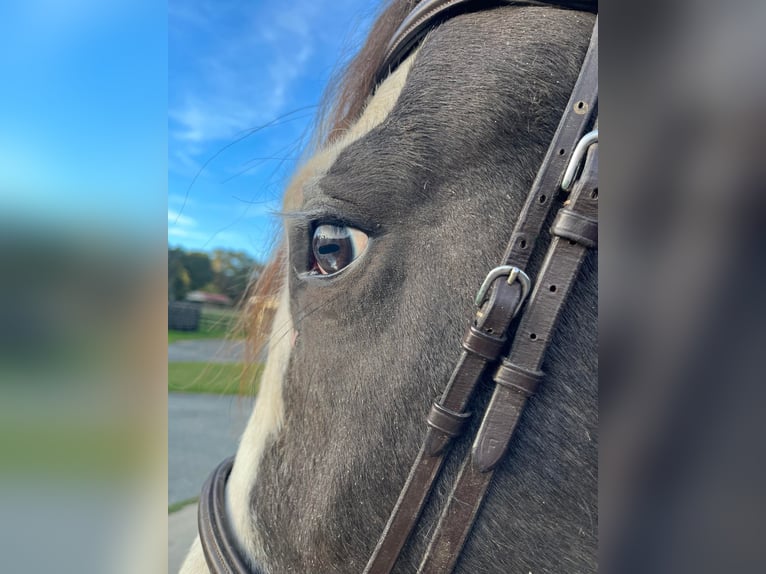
(390, 227)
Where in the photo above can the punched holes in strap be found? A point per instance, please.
(480, 343)
(447, 421)
(576, 227)
(517, 378)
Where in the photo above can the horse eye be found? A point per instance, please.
(335, 247)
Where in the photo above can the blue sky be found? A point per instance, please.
(234, 66)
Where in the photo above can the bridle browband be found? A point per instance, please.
(570, 165)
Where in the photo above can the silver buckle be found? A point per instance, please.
(514, 274)
(577, 156)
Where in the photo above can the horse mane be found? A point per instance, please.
(346, 102)
(341, 105)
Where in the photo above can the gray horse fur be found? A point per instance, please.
(437, 186)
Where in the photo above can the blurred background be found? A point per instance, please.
(139, 136)
(83, 172)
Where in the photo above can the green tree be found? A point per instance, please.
(233, 271)
(178, 277)
(200, 269)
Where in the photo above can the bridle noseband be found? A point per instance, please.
(570, 165)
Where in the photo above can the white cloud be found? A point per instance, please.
(179, 220)
(232, 88)
(202, 238)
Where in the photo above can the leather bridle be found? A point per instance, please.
(570, 166)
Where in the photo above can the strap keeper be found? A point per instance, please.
(447, 421)
(517, 379)
(479, 343)
(571, 225)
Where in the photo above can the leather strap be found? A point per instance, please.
(576, 227)
(428, 14)
(578, 115)
(492, 319)
(219, 545)
(480, 343)
(446, 421)
(516, 379)
(496, 317)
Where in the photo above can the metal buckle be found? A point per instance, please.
(577, 156)
(514, 274)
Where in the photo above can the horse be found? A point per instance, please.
(391, 224)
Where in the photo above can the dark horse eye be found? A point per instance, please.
(335, 247)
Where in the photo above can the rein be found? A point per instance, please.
(570, 166)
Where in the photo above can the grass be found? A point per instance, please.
(214, 324)
(210, 333)
(219, 379)
(176, 506)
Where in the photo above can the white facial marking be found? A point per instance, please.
(195, 560)
(265, 421)
(268, 414)
(376, 110)
(264, 424)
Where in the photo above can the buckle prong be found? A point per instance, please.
(514, 274)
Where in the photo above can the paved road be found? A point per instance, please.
(207, 351)
(202, 431)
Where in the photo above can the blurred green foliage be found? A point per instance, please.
(225, 272)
